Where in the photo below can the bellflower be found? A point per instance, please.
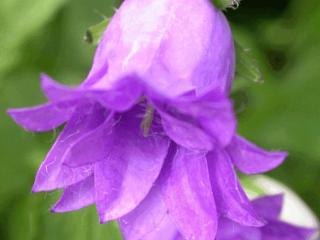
(270, 208)
(150, 135)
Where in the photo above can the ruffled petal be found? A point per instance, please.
(284, 231)
(53, 173)
(55, 91)
(230, 198)
(130, 168)
(151, 220)
(121, 97)
(269, 207)
(188, 195)
(251, 159)
(212, 112)
(44, 117)
(76, 196)
(197, 122)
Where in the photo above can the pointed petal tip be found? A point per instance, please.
(279, 158)
(13, 113)
(279, 197)
(251, 159)
(45, 80)
(42, 187)
(36, 189)
(56, 208)
(41, 118)
(283, 155)
(44, 77)
(103, 219)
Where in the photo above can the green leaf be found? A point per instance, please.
(94, 34)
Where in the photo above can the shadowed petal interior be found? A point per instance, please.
(130, 168)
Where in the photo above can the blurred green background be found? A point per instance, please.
(47, 36)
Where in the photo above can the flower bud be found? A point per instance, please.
(172, 46)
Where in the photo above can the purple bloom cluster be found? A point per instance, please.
(269, 207)
(150, 135)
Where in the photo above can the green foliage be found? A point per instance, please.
(30, 219)
(19, 20)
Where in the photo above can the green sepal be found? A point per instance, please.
(247, 69)
(94, 33)
(224, 4)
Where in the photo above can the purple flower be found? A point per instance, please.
(150, 134)
(162, 226)
(269, 207)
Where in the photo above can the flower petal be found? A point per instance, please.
(185, 134)
(43, 117)
(229, 230)
(197, 122)
(188, 195)
(151, 49)
(230, 198)
(91, 147)
(55, 91)
(122, 96)
(129, 170)
(251, 159)
(151, 220)
(76, 196)
(269, 207)
(284, 231)
(212, 112)
(53, 173)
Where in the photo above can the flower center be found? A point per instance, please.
(147, 120)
